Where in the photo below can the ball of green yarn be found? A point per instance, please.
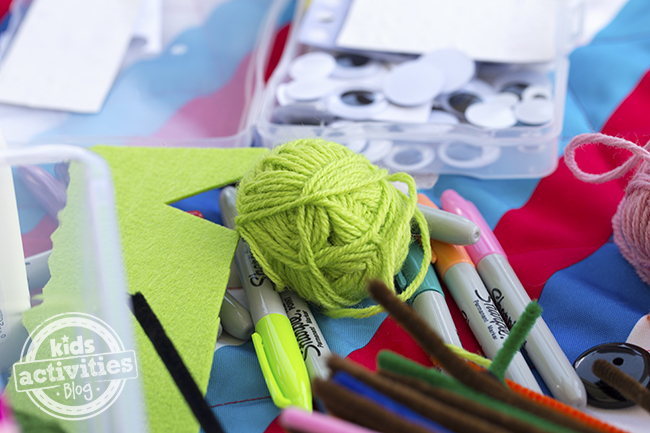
(322, 221)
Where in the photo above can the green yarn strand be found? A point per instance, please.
(322, 221)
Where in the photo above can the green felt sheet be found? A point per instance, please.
(180, 263)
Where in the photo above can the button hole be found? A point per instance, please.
(618, 361)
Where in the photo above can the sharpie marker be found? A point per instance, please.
(313, 346)
(278, 352)
(511, 298)
(235, 318)
(428, 300)
(448, 227)
(456, 269)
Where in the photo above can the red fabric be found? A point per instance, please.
(4, 8)
(389, 336)
(276, 52)
(566, 220)
(275, 427)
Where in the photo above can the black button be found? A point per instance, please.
(629, 358)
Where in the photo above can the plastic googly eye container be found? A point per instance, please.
(440, 112)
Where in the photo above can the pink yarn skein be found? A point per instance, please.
(631, 221)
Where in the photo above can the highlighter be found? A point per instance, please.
(511, 298)
(311, 341)
(275, 344)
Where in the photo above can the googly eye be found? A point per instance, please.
(458, 68)
(534, 111)
(535, 91)
(413, 83)
(493, 115)
(351, 66)
(473, 92)
(356, 103)
(312, 66)
(460, 102)
(281, 95)
(309, 90)
(409, 157)
(467, 156)
(518, 81)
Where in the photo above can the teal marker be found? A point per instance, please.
(428, 300)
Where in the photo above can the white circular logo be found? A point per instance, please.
(74, 367)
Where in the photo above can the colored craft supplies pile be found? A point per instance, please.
(321, 221)
(407, 397)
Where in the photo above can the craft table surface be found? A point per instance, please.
(556, 230)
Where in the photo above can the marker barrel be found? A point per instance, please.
(432, 308)
(313, 346)
(235, 318)
(448, 227)
(485, 321)
(545, 353)
(260, 292)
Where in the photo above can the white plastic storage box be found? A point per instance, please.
(297, 107)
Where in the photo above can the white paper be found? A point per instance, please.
(66, 54)
(497, 30)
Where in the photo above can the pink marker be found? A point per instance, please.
(511, 298)
(314, 422)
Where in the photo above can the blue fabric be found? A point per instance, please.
(602, 291)
(237, 391)
(604, 72)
